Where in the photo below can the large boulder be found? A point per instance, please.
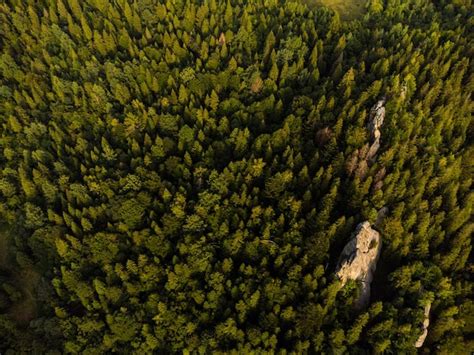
(358, 260)
(424, 327)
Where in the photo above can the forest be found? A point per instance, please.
(182, 176)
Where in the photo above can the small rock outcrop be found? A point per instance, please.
(363, 158)
(376, 118)
(424, 327)
(378, 180)
(358, 260)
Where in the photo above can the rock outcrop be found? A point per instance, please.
(376, 118)
(362, 158)
(424, 327)
(358, 260)
(378, 180)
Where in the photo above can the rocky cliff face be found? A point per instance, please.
(424, 327)
(359, 258)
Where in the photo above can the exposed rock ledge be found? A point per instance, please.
(362, 158)
(377, 116)
(425, 325)
(358, 260)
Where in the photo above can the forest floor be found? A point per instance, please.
(3, 246)
(25, 310)
(347, 9)
(26, 280)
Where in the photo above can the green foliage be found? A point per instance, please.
(181, 176)
(347, 9)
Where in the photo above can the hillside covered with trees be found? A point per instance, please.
(181, 176)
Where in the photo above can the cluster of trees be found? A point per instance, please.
(182, 175)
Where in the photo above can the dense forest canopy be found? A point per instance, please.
(346, 9)
(182, 176)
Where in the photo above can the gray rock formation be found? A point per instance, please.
(378, 181)
(362, 159)
(358, 260)
(374, 148)
(376, 118)
(424, 327)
